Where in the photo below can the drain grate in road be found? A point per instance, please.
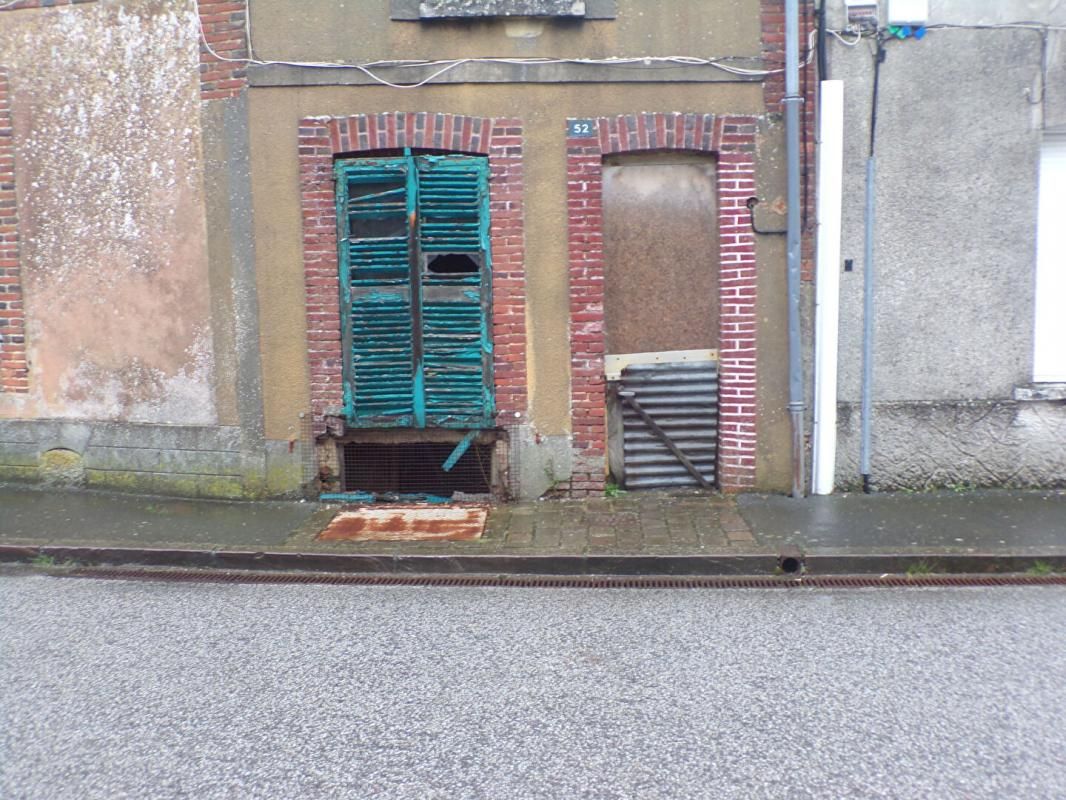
(566, 581)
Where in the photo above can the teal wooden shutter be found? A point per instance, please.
(453, 231)
(375, 202)
(415, 279)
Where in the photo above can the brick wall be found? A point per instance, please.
(223, 26)
(732, 139)
(14, 376)
(773, 53)
(320, 141)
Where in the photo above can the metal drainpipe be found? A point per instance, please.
(865, 444)
(792, 101)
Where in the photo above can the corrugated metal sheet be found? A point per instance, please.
(682, 398)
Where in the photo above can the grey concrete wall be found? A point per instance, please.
(961, 114)
(961, 444)
(187, 460)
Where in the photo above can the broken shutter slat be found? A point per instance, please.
(459, 451)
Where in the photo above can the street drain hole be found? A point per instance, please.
(790, 564)
(790, 559)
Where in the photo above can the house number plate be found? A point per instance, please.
(582, 128)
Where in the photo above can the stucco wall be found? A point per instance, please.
(361, 31)
(109, 176)
(959, 126)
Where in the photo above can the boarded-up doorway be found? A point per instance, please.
(661, 245)
(661, 295)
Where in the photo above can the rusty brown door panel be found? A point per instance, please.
(661, 245)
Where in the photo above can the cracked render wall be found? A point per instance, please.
(134, 258)
(960, 121)
(108, 175)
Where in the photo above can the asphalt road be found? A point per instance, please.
(149, 690)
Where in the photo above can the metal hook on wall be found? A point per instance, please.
(751, 203)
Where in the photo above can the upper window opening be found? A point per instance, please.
(501, 8)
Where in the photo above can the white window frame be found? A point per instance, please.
(1049, 328)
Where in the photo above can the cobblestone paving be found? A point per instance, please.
(651, 522)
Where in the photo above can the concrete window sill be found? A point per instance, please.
(1040, 391)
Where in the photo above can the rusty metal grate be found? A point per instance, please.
(416, 468)
(390, 522)
(568, 581)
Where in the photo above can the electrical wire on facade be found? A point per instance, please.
(838, 35)
(841, 34)
(1044, 30)
(446, 65)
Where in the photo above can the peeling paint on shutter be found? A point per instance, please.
(418, 351)
(453, 222)
(375, 204)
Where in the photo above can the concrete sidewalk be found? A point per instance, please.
(683, 532)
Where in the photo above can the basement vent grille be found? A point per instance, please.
(416, 468)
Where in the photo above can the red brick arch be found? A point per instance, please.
(732, 140)
(321, 139)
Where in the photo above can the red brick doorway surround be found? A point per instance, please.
(731, 139)
(321, 140)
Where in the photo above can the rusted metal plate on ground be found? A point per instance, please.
(406, 524)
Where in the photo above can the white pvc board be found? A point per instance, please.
(1049, 341)
(908, 12)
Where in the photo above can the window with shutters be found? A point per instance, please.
(415, 285)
